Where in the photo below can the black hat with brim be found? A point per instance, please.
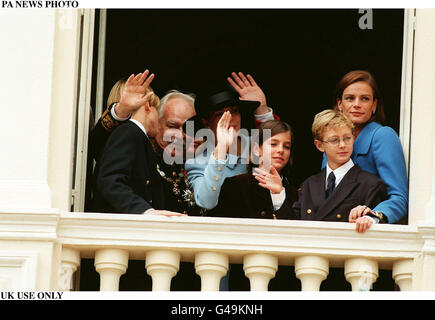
(225, 99)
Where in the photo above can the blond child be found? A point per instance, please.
(341, 191)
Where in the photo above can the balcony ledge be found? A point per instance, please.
(237, 237)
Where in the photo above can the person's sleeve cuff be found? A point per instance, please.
(278, 199)
(265, 117)
(112, 111)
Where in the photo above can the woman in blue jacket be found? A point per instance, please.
(377, 148)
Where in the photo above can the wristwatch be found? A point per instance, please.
(378, 215)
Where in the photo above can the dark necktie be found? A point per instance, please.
(330, 184)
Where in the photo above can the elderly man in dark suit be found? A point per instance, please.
(341, 191)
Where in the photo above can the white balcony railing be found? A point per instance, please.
(46, 249)
(212, 243)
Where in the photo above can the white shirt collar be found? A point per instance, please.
(340, 172)
(139, 125)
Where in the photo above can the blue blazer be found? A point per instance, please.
(206, 175)
(378, 150)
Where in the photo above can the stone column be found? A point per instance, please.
(260, 268)
(311, 271)
(36, 169)
(424, 273)
(110, 264)
(70, 260)
(402, 274)
(162, 266)
(422, 161)
(26, 105)
(211, 267)
(422, 154)
(361, 273)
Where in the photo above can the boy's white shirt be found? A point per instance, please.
(339, 173)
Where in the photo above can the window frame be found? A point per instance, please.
(85, 87)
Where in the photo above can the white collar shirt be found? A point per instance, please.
(139, 125)
(339, 173)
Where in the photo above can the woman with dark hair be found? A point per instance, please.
(264, 193)
(361, 81)
(377, 148)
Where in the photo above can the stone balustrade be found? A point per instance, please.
(43, 250)
(260, 245)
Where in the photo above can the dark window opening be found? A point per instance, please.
(295, 55)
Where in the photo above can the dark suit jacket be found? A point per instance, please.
(357, 188)
(127, 180)
(98, 137)
(242, 197)
(176, 188)
(101, 132)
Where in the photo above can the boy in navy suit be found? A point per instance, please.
(341, 191)
(128, 181)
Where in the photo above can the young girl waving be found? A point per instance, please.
(263, 192)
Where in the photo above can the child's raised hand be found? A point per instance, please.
(225, 135)
(269, 180)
